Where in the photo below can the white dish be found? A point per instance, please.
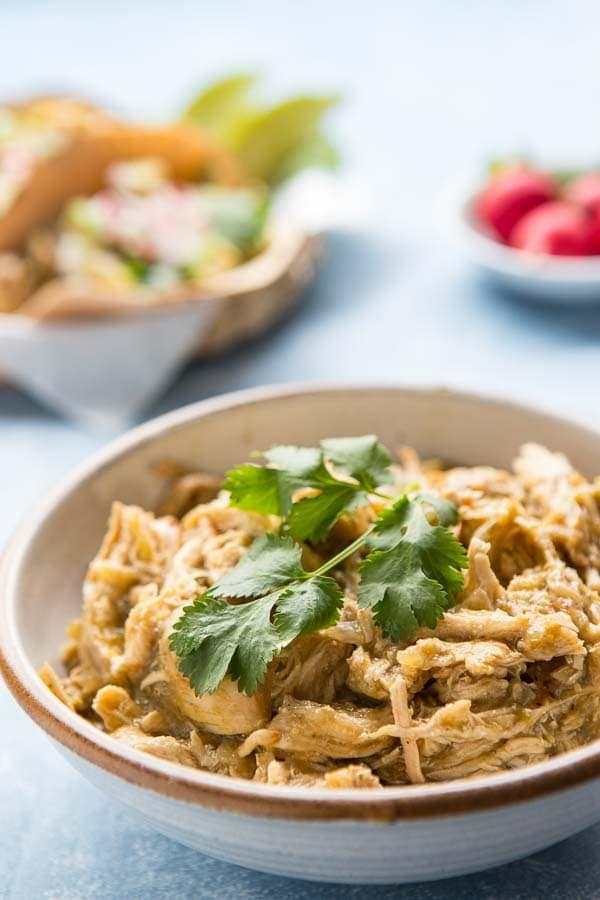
(558, 280)
(409, 833)
(103, 370)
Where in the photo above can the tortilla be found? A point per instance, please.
(93, 142)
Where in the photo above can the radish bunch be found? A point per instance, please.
(542, 212)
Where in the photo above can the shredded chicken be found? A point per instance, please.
(508, 677)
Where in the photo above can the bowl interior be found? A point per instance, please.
(63, 534)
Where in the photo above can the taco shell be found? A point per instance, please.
(93, 142)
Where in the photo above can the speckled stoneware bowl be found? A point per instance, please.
(390, 835)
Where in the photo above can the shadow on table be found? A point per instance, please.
(569, 869)
(354, 266)
(575, 321)
(16, 405)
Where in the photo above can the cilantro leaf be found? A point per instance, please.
(446, 512)
(312, 517)
(441, 555)
(398, 591)
(442, 558)
(262, 490)
(214, 638)
(271, 490)
(271, 562)
(415, 572)
(307, 607)
(363, 458)
(392, 524)
(297, 462)
(406, 518)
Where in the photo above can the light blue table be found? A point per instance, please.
(431, 89)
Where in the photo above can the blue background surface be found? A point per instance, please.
(432, 89)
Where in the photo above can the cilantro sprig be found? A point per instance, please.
(363, 461)
(411, 574)
(215, 638)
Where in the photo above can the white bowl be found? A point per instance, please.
(408, 833)
(559, 280)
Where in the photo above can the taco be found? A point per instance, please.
(99, 216)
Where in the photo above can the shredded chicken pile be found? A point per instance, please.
(510, 676)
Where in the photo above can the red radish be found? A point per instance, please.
(594, 237)
(510, 194)
(558, 228)
(584, 190)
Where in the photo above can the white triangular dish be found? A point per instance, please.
(104, 365)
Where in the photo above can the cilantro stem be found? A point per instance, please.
(409, 488)
(343, 554)
(351, 548)
(385, 497)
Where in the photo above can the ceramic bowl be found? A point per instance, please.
(409, 833)
(559, 280)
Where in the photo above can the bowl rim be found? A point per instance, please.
(224, 793)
